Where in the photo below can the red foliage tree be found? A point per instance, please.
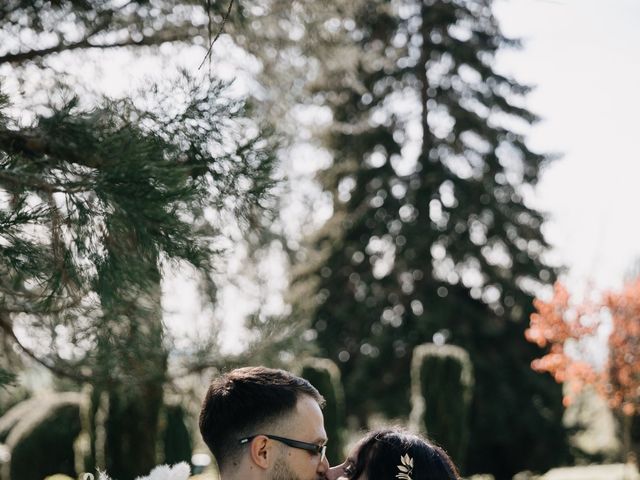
(565, 328)
(624, 349)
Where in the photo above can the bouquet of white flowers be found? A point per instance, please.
(180, 471)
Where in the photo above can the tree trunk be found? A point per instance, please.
(132, 431)
(134, 362)
(634, 438)
(630, 436)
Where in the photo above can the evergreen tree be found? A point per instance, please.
(430, 233)
(96, 201)
(94, 204)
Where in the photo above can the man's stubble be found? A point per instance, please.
(282, 470)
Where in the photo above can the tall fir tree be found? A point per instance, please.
(430, 233)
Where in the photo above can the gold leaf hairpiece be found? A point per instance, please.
(405, 467)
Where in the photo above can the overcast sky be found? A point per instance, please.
(584, 58)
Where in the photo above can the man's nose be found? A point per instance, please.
(333, 473)
(324, 465)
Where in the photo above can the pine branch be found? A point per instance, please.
(85, 43)
(34, 183)
(18, 142)
(32, 144)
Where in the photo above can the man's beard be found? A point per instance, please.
(282, 471)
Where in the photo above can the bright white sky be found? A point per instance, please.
(584, 57)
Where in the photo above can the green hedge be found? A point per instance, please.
(176, 438)
(68, 433)
(325, 376)
(46, 447)
(442, 388)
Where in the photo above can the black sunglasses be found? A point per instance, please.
(309, 447)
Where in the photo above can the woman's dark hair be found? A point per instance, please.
(381, 454)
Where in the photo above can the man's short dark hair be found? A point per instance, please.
(240, 402)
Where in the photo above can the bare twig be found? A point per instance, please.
(224, 21)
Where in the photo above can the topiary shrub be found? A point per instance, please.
(15, 414)
(325, 376)
(442, 387)
(66, 433)
(41, 443)
(176, 438)
(98, 413)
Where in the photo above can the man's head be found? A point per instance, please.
(267, 422)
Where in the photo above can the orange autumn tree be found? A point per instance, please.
(566, 326)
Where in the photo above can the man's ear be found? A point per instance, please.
(261, 451)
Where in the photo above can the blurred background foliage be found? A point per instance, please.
(429, 239)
